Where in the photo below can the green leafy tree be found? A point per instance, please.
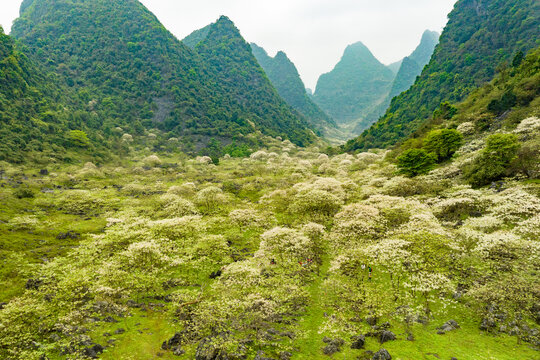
(493, 163)
(78, 138)
(415, 162)
(446, 111)
(443, 143)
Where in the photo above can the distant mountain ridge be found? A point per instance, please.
(285, 77)
(357, 83)
(409, 68)
(480, 36)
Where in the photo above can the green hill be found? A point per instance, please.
(479, 37)
(238, 74)
(285, 78)
(409, 68)
(117, 58)
(357, 84)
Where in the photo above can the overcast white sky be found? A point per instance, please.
(313, 33)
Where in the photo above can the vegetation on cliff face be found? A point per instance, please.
(285, 78)
(115, 243)
(33, 123)
(479, 37)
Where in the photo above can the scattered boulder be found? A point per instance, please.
(386, 336)
(178, 351)
(43, 172)
(334, 345)
(450, 325)
(215, 274)
(260, 356)
(110, 319)
(93, 351)
(285, 355)
(207, 350)
(372, 321)
(68, 235)
(358, 342)
(382, 354)
(120, 331)
(33, 284)
(487, 324)
(133, 304)
(173, 342)
(331, 349)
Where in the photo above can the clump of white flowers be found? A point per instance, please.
(210, 198)
(187, 189)
(528, 127)
(203, 160)
(287, 246)
(247, 218)
(466, 128)
(24, 222)
(176, 206)
(259, 155)
(152, 161)
(134, 189)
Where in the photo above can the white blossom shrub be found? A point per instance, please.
(24, 222)
(176, 206)
(210, 198)
(315, 202)
(134, 189)
(357, 224)
(530, 228)
(466, 128)
(80, 202)
(152, 161)
(186, 190)
(286, 246)
(248, 218)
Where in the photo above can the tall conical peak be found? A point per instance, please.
(430, 35)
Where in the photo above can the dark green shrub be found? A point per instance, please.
(414, 162)
(494, 162)
(23, 193)
(446, 111)
(506, 102)
(443, 143)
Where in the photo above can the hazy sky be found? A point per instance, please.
(313, 33)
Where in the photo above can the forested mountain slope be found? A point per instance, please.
(285, 78)
(226, 54)
(121, 64)
(480, 36)
(30, 119)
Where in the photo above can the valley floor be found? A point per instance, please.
(267, 258)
